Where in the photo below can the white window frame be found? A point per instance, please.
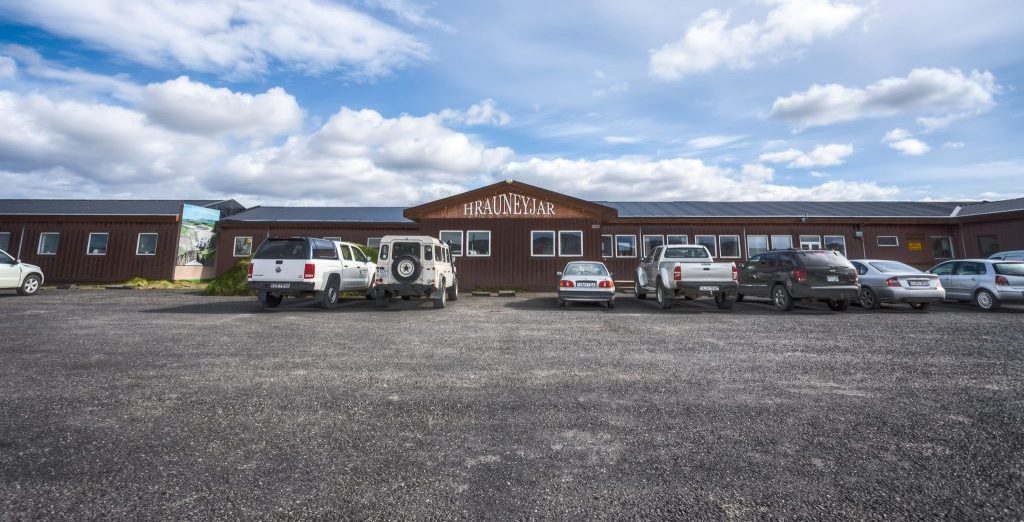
(952, 250)
(771, 244)
(696, 241)
(643, 242)
(897, 238)
(612, 253)
(635, 249)
(582, 244)
(739, 246)
(89, 243)
(39, 247)
(824, 243)
(686, 239)
(554, 247)
(816, 240)
(767, 244)
(334, 238)
(234, 243)
(490, 246)
(138, 243)
(371, 246)
(462, 241)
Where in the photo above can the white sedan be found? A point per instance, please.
(586, 281)
(14, 274)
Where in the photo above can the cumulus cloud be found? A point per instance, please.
(903, 141)
(622, 140)
(932, 91)
(412, 13)
(821, 156)
(713, 141)
(710, 42)
(953, 145)
(232, 37)
(8, 68)
(484, 113)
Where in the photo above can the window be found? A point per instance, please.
(757, 245)
(478, 243)
(988, 245)
(861, 269)
(146, 244)
(5, 241)
(438, 254)
(406, 248)
(333, 239)
(625, 246)
(942, 247)
(607, 246)
(690, 252)
(810, 243)
(651, 242)
(48, 242)
(243, 246)
(428, 253)
(887, 241)
(710, 242)
(359, 255)
(323, 249)
(836, 243)
(570, 243)
(943, 269)
(97, 244)
(585, 269)
(346, 254)
(894, 267)
(969, 268)
(677, 239)
(384, 249)
(283, 249)
(782, 242)
(373, 242)
(542, 243)
(730, 246)
(452, 238)
(6, 259)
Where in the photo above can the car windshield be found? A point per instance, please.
(6, 258)
(894, 267)
(585, 269)
(283, 249)
(685, 253)
(1010, 269)
(823, 258)
(405, 248)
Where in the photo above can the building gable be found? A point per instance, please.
(510, 200)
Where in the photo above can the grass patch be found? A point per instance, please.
(233, 282)
(163, 284)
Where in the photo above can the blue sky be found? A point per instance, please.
(395, 102)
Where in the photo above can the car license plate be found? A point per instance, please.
(709, 289)
(586, 285)
(919, 283)
(280, 285)
(832, 278)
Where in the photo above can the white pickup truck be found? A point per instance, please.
(685, 271)
(307, 266)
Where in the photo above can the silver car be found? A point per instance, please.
(1009, 255)
(586, 281)
(883, 281)
(987, 282)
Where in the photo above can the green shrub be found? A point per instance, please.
(233, 282)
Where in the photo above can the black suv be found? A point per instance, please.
(785, 276)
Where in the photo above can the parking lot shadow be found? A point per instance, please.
(629, 304)
(250, 306)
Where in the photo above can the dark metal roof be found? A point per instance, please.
(767, 209)
(107, 207)
(992, 207)
(322, 215)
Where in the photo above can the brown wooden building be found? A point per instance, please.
(514, 235)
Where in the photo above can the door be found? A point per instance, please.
(10, 274)
(649, 268)
(349, 269)
(965, 278)
(945, 273)
(363, 263)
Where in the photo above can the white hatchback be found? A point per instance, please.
(586, 281)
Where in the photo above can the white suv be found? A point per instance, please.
(26, 278)
(308, 266)
(415, 266)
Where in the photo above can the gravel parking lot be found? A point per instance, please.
(143, 404)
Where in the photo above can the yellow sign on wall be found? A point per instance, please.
(915, 246)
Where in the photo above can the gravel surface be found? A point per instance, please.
(162, 404)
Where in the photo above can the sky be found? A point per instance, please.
(399, 102)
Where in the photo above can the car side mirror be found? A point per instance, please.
(559, 274)
(17, 261)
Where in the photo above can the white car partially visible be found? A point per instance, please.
(14, 274)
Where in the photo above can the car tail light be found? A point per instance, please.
(735, 273)
(893, 282)
(565, 283)
(310, 272)
(800, 274)
(606, 284)
(249, 271)
(677, 274)
(1002, 281)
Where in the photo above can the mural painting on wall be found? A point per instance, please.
(196, 242)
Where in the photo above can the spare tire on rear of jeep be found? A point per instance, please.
(406, 269)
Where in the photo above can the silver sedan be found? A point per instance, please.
(586, 281)
(884, 281)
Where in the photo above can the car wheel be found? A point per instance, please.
(610, 303)
(868, 299)
(453, 291)
(723, 302)
(383, 300)
(640, 295)
(839, 305)
(30, 285)
(986, 300)
(781, 298)
(663, 300)
(271, 301)
(561, 302)
(920, 306)
(739, 298)
(329, 298)
(440, 302)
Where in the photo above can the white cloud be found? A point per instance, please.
(932, 91)
(412, 13)
(816, 174)
(614, 88)
(35, 66)
(709, 42)
(821, 156)
(757, 172)
(233, 37)
(622, 140)
(953, 145)
(194, 107)
(8, 68)
(713, 141)
(484, 113)
(903, 141)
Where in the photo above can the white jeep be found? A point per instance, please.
(415, 266)
(308, 266)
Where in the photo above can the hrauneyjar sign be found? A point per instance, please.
(508, 204)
